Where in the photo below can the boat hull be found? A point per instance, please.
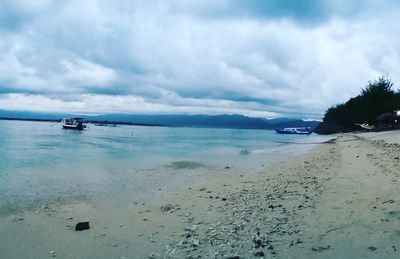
(73, 127)
(293, 132)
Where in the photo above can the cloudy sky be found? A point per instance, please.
(268, 58)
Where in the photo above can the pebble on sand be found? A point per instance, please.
(167, 207)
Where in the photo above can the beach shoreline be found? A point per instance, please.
(338, 200)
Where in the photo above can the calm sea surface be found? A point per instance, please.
(40, 163)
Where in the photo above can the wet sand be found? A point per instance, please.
(340, 200)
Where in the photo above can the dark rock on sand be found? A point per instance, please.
(82, 226)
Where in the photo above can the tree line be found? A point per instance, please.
(376, 98)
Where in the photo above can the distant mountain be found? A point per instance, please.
(209, 121)
(31, 115)
(206, 121)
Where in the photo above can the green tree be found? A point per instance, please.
(376, 98)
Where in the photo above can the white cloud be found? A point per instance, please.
(97, 103)
(193, 56)
(82, 73)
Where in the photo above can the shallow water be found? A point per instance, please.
(40, 163)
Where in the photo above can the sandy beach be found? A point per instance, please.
(339, 200)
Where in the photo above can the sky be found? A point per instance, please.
(261, 58)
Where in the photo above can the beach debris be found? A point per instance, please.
(259, 216)
(153, 256)
(82, 226)
(195, 242)
(227, 167)
(167, 207)
(258, 240)
(321, 248)
(372, 248)
(298, 241)
(259, 253)
(18, 219)
(52, 253)
(202, 189)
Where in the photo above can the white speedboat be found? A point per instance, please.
(73, 123)
(301, 131)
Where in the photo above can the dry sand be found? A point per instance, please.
(340, 200)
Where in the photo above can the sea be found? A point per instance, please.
(42, 164)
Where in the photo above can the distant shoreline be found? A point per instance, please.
(88, 121)
(128, 123)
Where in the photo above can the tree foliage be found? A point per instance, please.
(376, 98)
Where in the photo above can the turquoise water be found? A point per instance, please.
(40, 163)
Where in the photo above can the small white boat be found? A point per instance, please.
(301, 131)
(73, 123)
(365, 126)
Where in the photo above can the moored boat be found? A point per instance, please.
(301, 131)
(73, 123)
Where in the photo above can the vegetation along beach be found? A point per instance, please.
(229, 129)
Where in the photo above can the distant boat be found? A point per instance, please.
(301, 131)
(73, 123)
